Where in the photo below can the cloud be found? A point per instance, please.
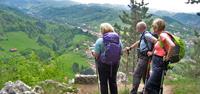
(169, 5)
(173, 5)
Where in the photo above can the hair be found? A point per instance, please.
(106, 27)
(159, 24)
(141, 25)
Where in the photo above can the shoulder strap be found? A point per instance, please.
(145, 40)
(141, 39)
(162, 44)
(143, 35)
(171, 35)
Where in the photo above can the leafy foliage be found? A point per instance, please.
(32, 70)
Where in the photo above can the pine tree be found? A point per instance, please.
(138, 12)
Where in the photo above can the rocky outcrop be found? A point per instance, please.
(19, 87)
(93, 79)
(86, 79)
(121, 77)
(45, 87)
(57, 87)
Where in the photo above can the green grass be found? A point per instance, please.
(124, 91)
(67, 60)
(185, 85)
(18, 40)
(79, 39)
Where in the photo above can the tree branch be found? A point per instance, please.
(192, 1)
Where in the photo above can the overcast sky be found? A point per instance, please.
(169, 5)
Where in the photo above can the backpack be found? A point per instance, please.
(149, 45)
(112, 49)
(178, 51)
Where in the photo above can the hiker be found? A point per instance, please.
(145, 46)
(160, 56)
(107, 53)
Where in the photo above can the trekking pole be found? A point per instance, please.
(97, 73)
(163, 75)
(162, 81)
(126, 69)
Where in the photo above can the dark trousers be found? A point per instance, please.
(139, 73)
(154, 82)
(108, 74)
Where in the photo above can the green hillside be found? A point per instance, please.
(188, 19)
(51, 37)
(177, 27)
(191, 20)
(44, 49)
(50, 34)
(27, 4)
(90, 14)
(18, 40)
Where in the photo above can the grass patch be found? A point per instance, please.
(124, 91)
(67, 60)
(18, 40)
(185, 85)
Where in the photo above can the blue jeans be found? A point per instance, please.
(108, 74)
(154, 81)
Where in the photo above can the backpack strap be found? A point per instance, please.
(141, 37)
(145, 40)
(162, 44)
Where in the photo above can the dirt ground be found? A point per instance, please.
(93, 89)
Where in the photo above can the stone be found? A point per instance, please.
(121, 77)
(38, 89)
(85, 79)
